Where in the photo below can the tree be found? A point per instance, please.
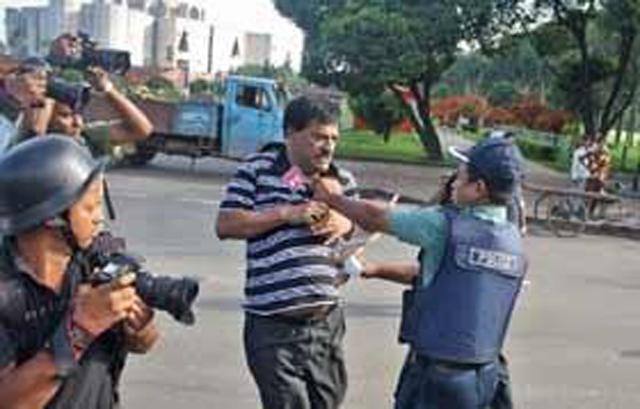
(502, 94)
(401, 45)
(592, 47)
(200, 87)
(380, 109)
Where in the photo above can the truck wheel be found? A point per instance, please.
(141, 157)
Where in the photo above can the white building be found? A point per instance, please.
(161, 33)
(27, 31)
(116, 25)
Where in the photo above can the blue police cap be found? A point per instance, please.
(496, 160)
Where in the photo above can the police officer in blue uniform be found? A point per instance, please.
(472, 265)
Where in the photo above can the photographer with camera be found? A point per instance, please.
(60, 107)
(67, 117)
(63, 337)
(68, 51)
(22, 97)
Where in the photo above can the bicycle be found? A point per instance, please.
(567, 215)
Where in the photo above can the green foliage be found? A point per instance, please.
(256, 70)
(71, 75)
(200, 87)
(366, 145)
(442, 90)
(537, 150)
(515, 62)
(162, 88)
(381, 111)
(502, 94)
(593, 49)
(359, 45)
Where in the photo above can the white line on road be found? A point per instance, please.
(208, 202)
(129, 195)
(191, 200)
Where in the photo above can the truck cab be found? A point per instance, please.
(253, 116)
(249, 117)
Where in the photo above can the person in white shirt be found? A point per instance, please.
(579, 170)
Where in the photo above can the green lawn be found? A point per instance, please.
(356, 144)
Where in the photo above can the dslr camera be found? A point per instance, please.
(74, 94)
(113, 61)
(109, 261)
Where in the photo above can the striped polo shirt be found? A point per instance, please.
(288, 267)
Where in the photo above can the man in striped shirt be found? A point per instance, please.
(294, 322)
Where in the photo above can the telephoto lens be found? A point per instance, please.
(174, 295)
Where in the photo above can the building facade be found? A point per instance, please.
(158, 33)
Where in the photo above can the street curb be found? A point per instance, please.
(600, 229)
(429, 163)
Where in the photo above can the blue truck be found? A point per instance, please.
(246, 120)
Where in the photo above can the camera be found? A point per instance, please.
(113, 61)
(76, 95)
(447, 182)
(173, 295)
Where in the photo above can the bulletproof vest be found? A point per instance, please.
(408, 321)
(463, 315)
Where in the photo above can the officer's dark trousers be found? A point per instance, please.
(502, 399)
(297, 364)
(426, 384)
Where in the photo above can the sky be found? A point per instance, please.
(257, 15)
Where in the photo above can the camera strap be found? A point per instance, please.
(111, 211)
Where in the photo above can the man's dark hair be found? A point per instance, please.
(301, 111)
(496, 196)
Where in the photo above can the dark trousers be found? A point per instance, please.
(502, 399)
(297, 364)
(426, 384)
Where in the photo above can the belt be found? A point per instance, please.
(305, 315)
(426, 361)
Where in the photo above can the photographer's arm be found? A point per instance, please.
(30, 385)
(136, 126)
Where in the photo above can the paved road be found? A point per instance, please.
(575, 341)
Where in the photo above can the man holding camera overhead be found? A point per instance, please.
(63, 342)
(66, 113)
(61, 109)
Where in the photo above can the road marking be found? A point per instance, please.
(192, 200)
(208, 202)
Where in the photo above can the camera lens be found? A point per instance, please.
(172, 295)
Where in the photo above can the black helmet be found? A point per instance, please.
(40, 178)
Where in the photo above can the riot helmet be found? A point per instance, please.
(40, 179)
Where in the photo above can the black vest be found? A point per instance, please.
(31, 313)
